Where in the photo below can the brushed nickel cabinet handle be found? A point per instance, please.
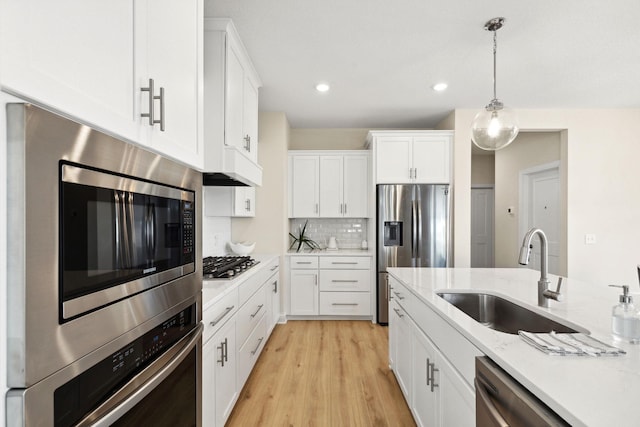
(344, 262)
(400, 297)
(345, 303)
(226, 311)
(274, 267)
(343, 281)
(150, 106)
(161, 98)
(398, 312)
(275, 287)
(257, 311)
(258, 346)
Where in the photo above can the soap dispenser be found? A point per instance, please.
(625, 324)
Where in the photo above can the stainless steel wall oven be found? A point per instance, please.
(104, 277)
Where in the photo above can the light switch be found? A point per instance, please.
(589, 239)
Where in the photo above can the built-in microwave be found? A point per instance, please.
(102, 240)
(119, 235)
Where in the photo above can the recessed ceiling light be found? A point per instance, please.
(322, 87)
(439, 87)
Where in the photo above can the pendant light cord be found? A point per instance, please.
(495, 50)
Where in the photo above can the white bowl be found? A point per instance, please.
(243, 248)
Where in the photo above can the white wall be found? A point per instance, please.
(528, 150)
(327, 139)
(602, 151)
(483, 169)
(270, 227)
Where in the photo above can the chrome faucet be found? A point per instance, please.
(544, 293)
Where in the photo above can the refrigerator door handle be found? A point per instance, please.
(414, 228)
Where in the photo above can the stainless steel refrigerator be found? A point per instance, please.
(413, 230)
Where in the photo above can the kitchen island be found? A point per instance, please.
(583, 390)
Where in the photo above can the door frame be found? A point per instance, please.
(525, 177)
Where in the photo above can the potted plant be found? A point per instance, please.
(302, 239)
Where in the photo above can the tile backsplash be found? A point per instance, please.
(349, 232)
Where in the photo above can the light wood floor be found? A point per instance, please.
(323, 373)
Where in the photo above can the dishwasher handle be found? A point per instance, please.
(483, 401)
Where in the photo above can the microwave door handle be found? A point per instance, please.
(153, 230)
(143, 383)
(118, 225)
(130, 236)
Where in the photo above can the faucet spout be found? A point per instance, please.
(523, 259)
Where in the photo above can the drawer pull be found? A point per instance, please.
(303, 262)
(345, 262)
(275, 287)
(257, 311)
(398, 312)
(345, 303)
(400, 297)
(257, 347)
(226, 311)
(344, 281)
(274, 267)
(223, 352)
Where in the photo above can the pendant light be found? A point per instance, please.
(495, 126)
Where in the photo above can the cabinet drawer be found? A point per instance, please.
(250, 351)
(304, 262)
(345, 280)
(345, 262)
(400, 294)
(345, 303)
(249, 315)
(255, 282)
(215, 316)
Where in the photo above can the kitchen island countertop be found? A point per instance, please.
(585, 391)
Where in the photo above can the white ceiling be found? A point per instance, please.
(381, 57)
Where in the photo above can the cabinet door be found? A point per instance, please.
(250, 118)
(424, 402)
(244, 201)
(304, 292)
(219, 391)
(457, 405)
(225, 376)
(402, 365)
(174, 40)
(234, 97)
(304, 186)
(74, 56)
(331, 200)
(431, 159)
(355, 187)
(393, 160)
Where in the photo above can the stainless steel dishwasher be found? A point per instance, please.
(501, 401)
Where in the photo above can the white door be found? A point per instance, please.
(304, 292)
(174, 60)
(331, 205)
(542, 210)
(304, 186)
(424, 402)
(355, 188)
(431, 160)
(482, 219)
(393, 160)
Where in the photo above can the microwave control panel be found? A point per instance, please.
(188, 231)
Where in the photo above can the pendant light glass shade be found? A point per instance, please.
(494, 127)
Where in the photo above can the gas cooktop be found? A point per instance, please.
(226, 267)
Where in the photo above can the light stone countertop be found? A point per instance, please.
(329, 252)
(213, 290)
(585, 391)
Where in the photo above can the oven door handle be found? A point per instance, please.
(143, 383)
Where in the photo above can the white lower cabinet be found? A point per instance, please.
(400, 328)
(219, 387)
(427, 358)
(337, 285)
(440, 396)
(237, 328)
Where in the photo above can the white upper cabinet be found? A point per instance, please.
(74, 56)
(173, 42)
(231, 104)
(331, 185)
(304, 186)
(230, 201)
(411, 156)
(95, 64)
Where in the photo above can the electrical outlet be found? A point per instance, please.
(589, 239)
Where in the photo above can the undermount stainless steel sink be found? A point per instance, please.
(503, 315)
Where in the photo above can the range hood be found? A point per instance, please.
(232, 169)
